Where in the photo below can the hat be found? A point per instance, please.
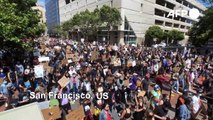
(157, 87)
(135, 74)
(27, 71)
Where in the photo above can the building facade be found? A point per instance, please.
(137, 15)
(52, 14)
(42, 13)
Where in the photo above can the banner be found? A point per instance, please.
(39, 71)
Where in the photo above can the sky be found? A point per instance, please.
(205, 4)
(41, 2)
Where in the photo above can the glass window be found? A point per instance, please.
(67, 1)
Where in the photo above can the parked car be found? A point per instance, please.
(162, 44)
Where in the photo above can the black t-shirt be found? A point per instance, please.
(210, 101)
(159, 111)
(146, 84)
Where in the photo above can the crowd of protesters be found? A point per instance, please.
(133, 76)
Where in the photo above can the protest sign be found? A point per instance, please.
(129, 63)
(141, 94)
(43, 59)
(46, 67)
(117, 62)
(94, 55)
(39, 71)
(82, 40)
(51, 113)
(70, 56)
(63, 81)
(64, 62)
(1, 80)
(126, 83)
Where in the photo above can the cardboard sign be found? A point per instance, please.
(141, 94)
(77, 114)
(68, 49)
(46, 67)
(64, 62)
(39, 71)
(1, 80)
(43, 59)
(94, 55)
(129, 63)
(70, 56)
(126, 83)
(63, 81)
(116, 61)
(51, 113)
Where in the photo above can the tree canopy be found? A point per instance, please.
(19, 22)
(202, 31)
(154, 32)
(175, 35)
(89, 23)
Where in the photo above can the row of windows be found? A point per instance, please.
(159, 22)
(162, 13)
(172, 6)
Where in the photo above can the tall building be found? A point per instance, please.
(41, 11)
(137, 15)
(52, 14)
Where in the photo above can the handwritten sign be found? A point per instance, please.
(39, 71)
(63, 81)
(1, 80)
(94, 55)
(43, 59)
(65, 61)
(141, 94)
(70, 56)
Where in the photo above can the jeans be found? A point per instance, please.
(175, 85)
(182, 82)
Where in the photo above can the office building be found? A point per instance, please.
(137, 15)
(52, 14)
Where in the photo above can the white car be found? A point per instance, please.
(162, 44)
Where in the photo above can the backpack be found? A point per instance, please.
(97, 111)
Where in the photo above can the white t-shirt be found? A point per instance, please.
(196, 104)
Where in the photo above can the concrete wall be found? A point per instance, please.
(139, 13)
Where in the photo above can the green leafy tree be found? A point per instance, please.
(110, 17)
(175, 36)
(59, 31)
(202, 31)
(19, 23)
(154, 32)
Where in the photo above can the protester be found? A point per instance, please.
(124, 79)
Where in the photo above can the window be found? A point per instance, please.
(160, 2)
(168, 24)
(182, 26)
(179, 1)
(67, 1)
(170, 17)
(141, 7)
(158, 22)
(185, 3)
(170, 5)
(183, 19)
(176, 25)
(159, 12)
